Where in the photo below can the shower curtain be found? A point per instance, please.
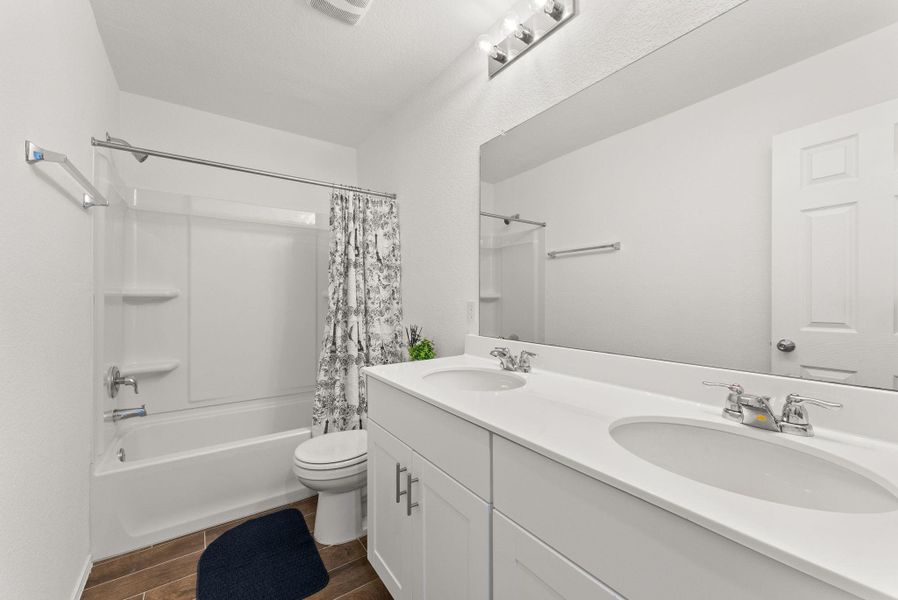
(364, 317)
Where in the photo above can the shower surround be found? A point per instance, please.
(216, 308)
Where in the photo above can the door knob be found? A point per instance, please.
(785, 345)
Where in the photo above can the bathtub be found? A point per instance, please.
(185, 471)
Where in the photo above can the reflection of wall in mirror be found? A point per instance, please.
(688, 195)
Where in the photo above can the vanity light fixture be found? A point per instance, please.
(520, 35)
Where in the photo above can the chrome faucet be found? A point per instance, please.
(114, 380)
(120, 414)
(509, 363)
(506, 359)
(756, 411)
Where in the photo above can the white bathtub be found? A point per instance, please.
(189, 470)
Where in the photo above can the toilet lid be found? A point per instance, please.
(333, 450)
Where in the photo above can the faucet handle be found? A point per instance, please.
(798, 399)
(732, 408)
(114, 381)
(500, 351)
(524, 361)
(733, 387)
(795, 417)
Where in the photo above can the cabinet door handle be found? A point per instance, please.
(399, 469)
(409, 480)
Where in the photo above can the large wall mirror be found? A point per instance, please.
(730, 200)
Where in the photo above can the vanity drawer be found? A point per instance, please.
(526, 569)
(641, 551)
(456, 446)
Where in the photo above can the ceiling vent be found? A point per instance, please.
(348, 11)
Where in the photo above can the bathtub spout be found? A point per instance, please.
(125, 413)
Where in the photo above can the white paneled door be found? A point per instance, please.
(451, 537)
(835, 249)
(389, 528)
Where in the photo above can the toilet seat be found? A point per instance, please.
(335, 476)
(332, 452)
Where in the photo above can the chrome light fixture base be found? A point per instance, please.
(529, 33)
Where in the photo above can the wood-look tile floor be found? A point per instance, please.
(167, 571)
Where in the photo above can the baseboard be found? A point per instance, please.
(85, 573)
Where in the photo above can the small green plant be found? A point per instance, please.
(419, 347)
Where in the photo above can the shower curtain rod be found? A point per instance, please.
(220, 165)
(515, 217)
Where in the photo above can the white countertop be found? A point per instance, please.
(568, 420)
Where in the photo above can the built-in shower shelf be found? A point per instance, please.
(145, 293)
(490, 296)
(150, 368)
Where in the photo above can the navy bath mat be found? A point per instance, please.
(270, 558)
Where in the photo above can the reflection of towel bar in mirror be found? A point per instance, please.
(556, 253)
(91, 197)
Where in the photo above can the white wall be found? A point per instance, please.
(428, 153)
(173, 128)
(57, 89)
(688, 196)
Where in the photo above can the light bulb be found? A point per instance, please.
(538, 5)
(524, 33)
(555, 9)
(485, 44)
(509, 24)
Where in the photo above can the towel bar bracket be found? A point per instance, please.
(35, 154)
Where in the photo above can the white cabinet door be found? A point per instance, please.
(451, 531)
(389, 529)
(526, 569)
(835, 249)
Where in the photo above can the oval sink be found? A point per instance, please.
(753, 467)
(475, 380)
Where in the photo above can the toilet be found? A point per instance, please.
(335, 465)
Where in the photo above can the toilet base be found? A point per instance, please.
(339, 517)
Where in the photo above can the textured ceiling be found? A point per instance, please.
(282, 64)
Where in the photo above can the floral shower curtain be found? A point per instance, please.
(364, 317)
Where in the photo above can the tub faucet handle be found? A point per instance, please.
(114, 380)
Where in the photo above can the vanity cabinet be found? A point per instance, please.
(641, 551)
(524, 568)
(428, 533)
(458, 513)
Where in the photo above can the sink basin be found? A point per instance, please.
(475, 380)
(752, 467)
